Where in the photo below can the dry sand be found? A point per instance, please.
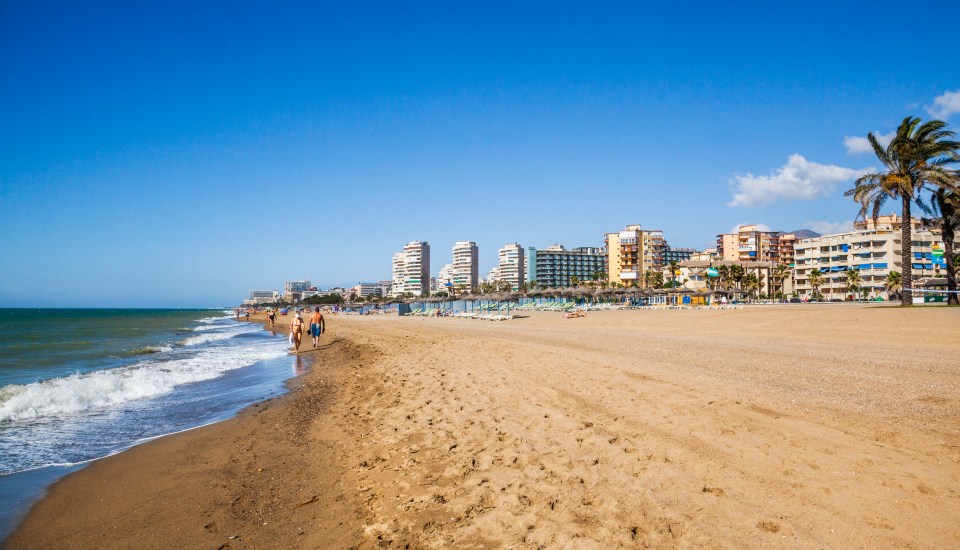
(807, 426)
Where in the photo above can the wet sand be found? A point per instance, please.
(806, 426)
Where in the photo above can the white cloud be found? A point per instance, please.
(797, 179)
(857, 145)
(829, 228)
(945, 104)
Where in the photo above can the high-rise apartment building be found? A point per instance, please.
(416, 268)
(787, 243)
(465, 274)
(411, 270)
(654, 247)
(510, 266)
(632, 252)
(556, 266)
(396, 287)
(749, 243)
(728, 247)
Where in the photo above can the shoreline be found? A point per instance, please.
(767, 427)
(78, 468)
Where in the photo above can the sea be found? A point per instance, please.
(77, 385)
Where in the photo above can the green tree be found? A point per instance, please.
(816, 279)
(893, 283)
(674, 267)
(916, 158)
(723, 274)
(575, 281)
(653, 278)
(736, 275)
(751, 284)
(854, 281)
(780, 274)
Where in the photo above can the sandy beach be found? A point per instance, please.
(802, 426)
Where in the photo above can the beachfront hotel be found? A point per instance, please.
(465, 270)
(510, 266)
(874, 251)
(411, 270)
(632, 252)
(555, 266)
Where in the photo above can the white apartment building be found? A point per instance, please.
(875, 252)
(411, 269)
(396, 286)
(262, 297)
(445, 279)
(510, 266)
(362, 290)
(295, 286)
(465, 273)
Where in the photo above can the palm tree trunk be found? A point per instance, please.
(949, 232)
(906, 253)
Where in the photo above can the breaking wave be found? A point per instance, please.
(147, 378)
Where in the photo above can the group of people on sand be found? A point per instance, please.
(317, 327)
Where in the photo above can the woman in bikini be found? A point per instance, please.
(296, 329)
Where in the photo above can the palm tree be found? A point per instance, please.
(780, 274)
(916, 158)
(751, 284)
(947, 204)
(654, 278)
(854, 280)
(674, 266)
(737, 273)
(575, 281)
(816, 279)
(893, 283)
(723, 273)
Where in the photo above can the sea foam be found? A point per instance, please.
(145, 379)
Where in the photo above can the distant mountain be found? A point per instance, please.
(804, 233)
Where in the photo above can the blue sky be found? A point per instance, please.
(181, 155)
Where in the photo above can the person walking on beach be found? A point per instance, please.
(272, 316)
(316, 326)
(296, 331)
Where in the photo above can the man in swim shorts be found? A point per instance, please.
(317, 326)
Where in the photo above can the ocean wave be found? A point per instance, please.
(203, 328)
(149, 378)
(209, 320)
(205, 337)
(220, 333)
